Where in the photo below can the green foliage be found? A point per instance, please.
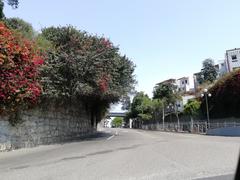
(20, 26)
(43, 43)
(86, 67)
(167, 92)
(225, 100)
(13, 3)
(117, 122)
(157, 105)
(208, 71)
(199, 77)
(1, 10)
(141, 107)
(26, 30)
(192, 107)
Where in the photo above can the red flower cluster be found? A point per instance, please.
(19, 62)
(106, 43)
(103, 83)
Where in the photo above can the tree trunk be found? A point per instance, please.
(191, 124)
(163, 118)
(178, 122)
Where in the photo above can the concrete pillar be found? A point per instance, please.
(130, 123)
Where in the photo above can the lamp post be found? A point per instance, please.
(170, 107)
(176, 111)
(163, 116)
(206, 95)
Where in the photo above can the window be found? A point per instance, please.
(186, 81)
(234, 57)
(182, 82)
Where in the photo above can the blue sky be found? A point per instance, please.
(164, 38)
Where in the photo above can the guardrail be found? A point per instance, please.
(196, 127)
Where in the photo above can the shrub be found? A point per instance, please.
(117, 122)
(86, 67)
(225, 100)
(19, 70)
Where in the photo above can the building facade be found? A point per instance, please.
(183, 101)
(221, 67)
(232, 59)
(185, 84)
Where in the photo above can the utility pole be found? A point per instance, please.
(206, 94)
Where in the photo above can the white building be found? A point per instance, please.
(221, 67)
(185, 98)
(186, 84)
(232, 59)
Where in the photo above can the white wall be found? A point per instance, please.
(186, 84)
(184, 101)
(232, 63)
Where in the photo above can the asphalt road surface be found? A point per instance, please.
(119, 154)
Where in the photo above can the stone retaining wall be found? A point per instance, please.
(39, 126)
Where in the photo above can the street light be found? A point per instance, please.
(206, 95)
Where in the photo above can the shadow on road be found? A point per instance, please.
(93, 137)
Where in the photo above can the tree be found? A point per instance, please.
(157, 107)
(225, 99)
(26, 30)
(168, 94)
(192, 109)
(209, 72)
(117, 122)
(141, 107)
(166, 91)
(20, 26)
(13, 3)
(19, 71)
(86, 67)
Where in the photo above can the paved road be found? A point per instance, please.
(127, 154)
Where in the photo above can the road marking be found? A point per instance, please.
(110, 137)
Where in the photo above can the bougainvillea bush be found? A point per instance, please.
(86, 67)
(19, 71)
(225, 100)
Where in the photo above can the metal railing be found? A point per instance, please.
(196, 127)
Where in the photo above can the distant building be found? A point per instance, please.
(168, 81)
(186, 84)
(220, 66)
(185, 98)
(197, 80)
(232, 59)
